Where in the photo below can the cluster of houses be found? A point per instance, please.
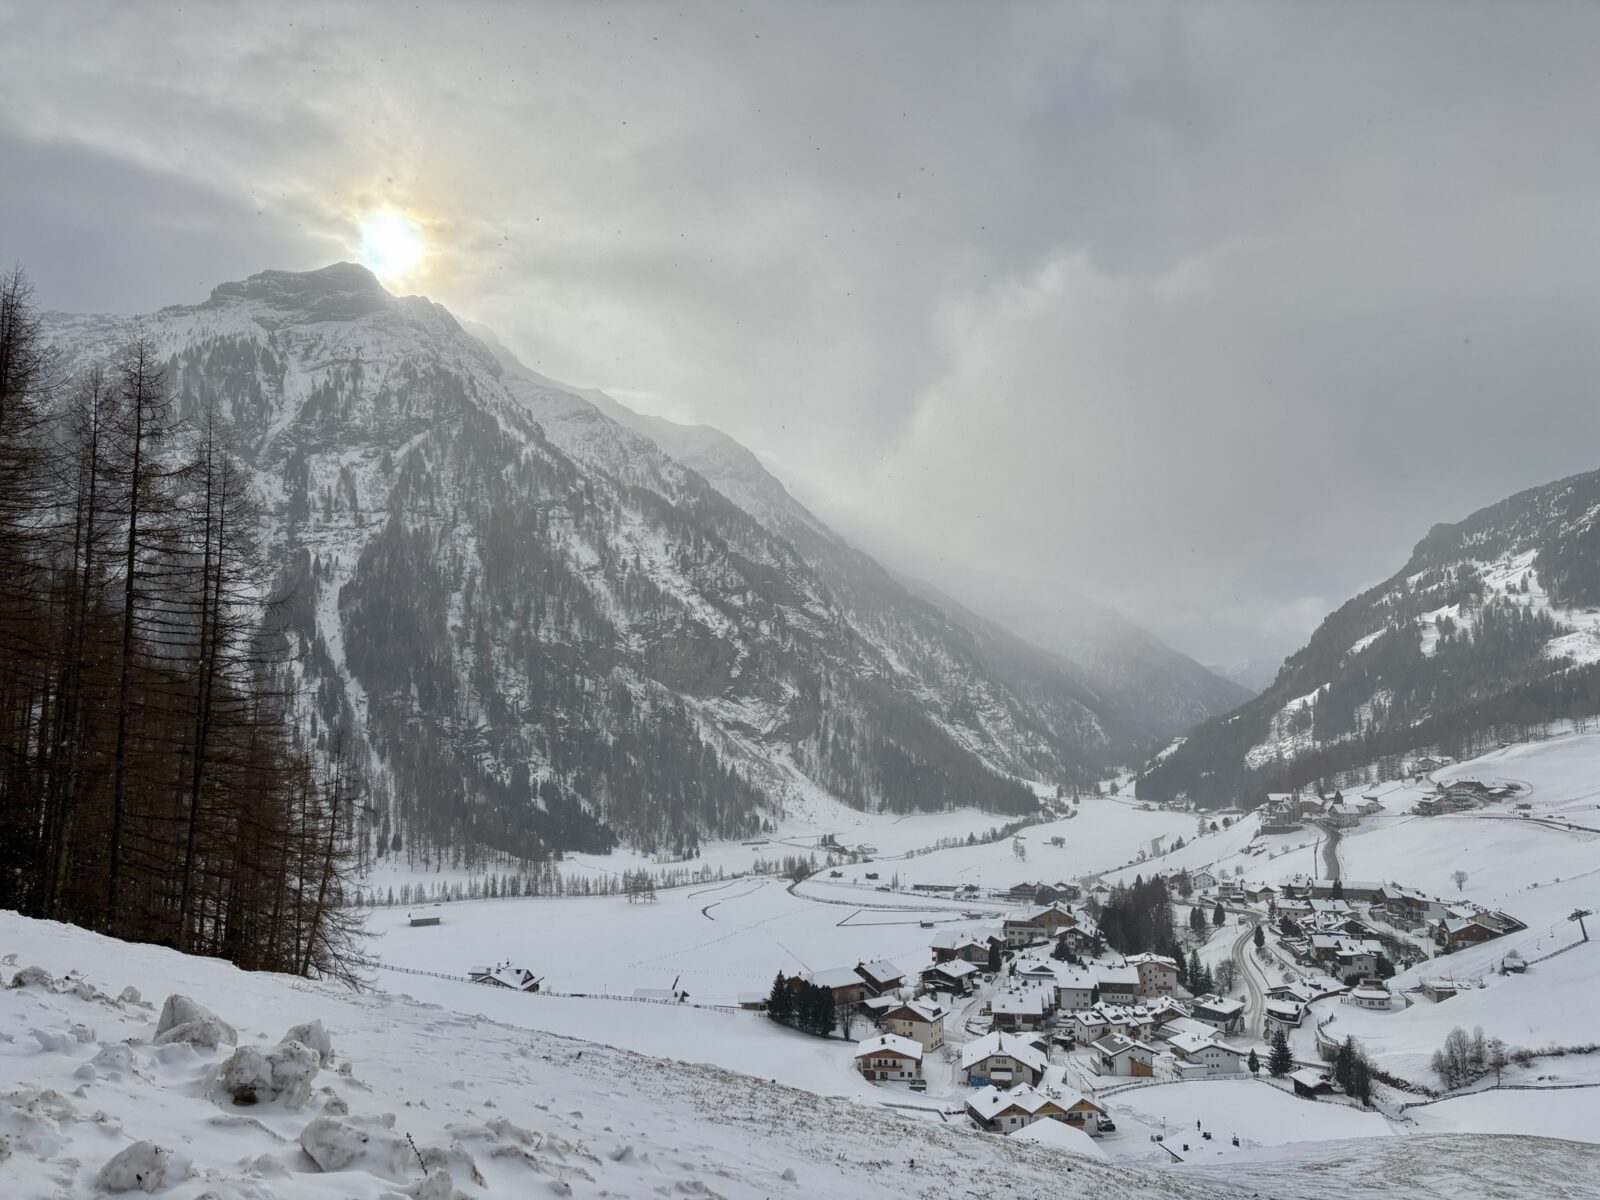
(1285, 812)
(1462, 795)
(1120, 1018)
(1340, 941)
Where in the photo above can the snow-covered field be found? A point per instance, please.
(676, 1099)
(1256, 1112)
(411, 1092)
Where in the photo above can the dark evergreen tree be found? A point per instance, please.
(780, 1001)
(1280, 1059)
(1344, 1063)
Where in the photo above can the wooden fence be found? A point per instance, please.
(724, 1008)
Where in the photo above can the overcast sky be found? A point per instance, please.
(1208, 311)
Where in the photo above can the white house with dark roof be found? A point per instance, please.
(1203, 1055)
(1222, 1013)
(997, 1111)
(1117, 985)
(1022, 1009)
(889, 1057)
(1122, 1057)
(1074, 987)
(1002, 1058)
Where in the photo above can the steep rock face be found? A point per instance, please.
(1490, 630)
(533, 626)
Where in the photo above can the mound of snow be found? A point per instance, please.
(314, 1035)
(182, 1020)
(359, 1143)
(143, 1167)
(284, 1073)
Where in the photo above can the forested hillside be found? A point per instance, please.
(1489, 632)
(156, 782)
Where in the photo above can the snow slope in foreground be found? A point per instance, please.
(511, 1112)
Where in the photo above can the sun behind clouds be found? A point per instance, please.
(392, 245)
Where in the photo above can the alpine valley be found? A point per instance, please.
(535, 620)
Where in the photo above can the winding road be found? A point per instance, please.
(1330, 849)
(1255, 1011)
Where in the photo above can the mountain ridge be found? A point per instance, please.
(540, 631)
(1490, 629)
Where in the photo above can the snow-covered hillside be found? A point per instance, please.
(411, 1099)
(1492, 629)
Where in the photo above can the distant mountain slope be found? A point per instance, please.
(535, 628)
(1490, 629)
(1168, 691)
(1254, 675)
(1158, 691)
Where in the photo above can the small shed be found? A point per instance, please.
(1310, 1083)
(516, 979)
(418, 922)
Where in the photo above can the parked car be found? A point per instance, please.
(1106, 1125)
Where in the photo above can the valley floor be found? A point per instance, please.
(493, 1109)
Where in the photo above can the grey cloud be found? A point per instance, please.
(1206, 310)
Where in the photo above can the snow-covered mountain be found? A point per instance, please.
(542, 620)
(1491, 630)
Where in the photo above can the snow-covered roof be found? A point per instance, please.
(1161, 960)
(1120, 978)
(889, 1043)
(1030, 916)
(1018, 1004)
(1068, 976)
(989, 1102)
(1302, 993)
(917, 1010)
(837, 977)
(1186, 1025)
(1309, 1077)
(879, 971)
(956, 968)
(1115, 1044)
(1061, 1136)
(1188, 1044)
(1221, 1005)
(1009, 1044)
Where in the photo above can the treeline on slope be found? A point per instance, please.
(153, 784)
